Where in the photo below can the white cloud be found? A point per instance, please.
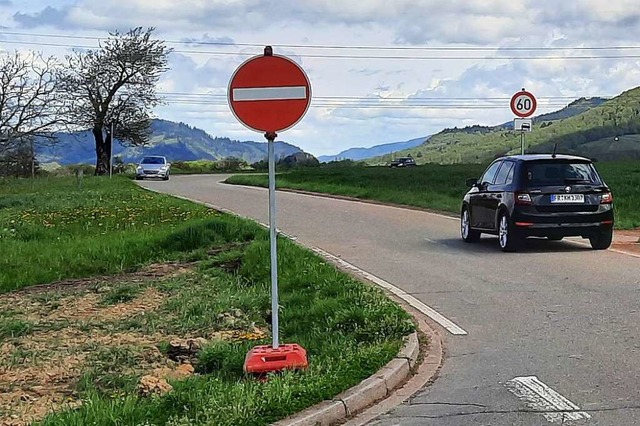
(197, 82)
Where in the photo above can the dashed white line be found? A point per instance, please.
(449, 325)
(540, 397)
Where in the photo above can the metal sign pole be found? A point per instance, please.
(272, 237)
(522, 140)
(276, 84)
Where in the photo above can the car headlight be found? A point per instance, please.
(139, 168)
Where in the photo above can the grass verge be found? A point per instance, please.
(52, 229)
(102, 351)
(437, 187)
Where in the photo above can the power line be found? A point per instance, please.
(369, 57)
(388, 102)
(399, 98)
(366, 106)
(370, 104)
(356, 47)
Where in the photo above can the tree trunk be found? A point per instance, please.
(102, 151)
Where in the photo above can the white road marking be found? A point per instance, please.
(431, 313)
(270, 93)
(540, 397)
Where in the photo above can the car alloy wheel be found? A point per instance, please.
(464, 224)
(509, 241)
(504, 231)
(468, 235)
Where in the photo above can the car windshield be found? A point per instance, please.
(152, 160)
(556, 173)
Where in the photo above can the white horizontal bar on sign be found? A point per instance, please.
(270, 93)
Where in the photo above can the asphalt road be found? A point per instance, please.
(557, 310)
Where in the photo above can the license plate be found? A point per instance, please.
(567, 198)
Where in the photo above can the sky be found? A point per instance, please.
(381, 71)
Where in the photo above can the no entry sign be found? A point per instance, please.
(269, 93)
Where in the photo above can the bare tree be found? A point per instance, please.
(30, 103)
(116, 83)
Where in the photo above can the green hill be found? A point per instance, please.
(609, 131)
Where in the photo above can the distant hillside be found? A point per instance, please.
(357, 154)
(586, 127)
(576, 107)
(176, 141)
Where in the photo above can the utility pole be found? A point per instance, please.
(111, 152)
(33, 160)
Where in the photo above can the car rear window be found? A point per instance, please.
(555, 173)
(153, 160)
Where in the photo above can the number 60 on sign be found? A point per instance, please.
(523, 104)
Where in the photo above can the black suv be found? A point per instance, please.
(403, 162)
(551, 196)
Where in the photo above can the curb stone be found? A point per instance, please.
(363, 395)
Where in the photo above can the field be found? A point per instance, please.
(156, 302)
(437, 187)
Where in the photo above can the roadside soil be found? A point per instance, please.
(54, 337)
(627, 241)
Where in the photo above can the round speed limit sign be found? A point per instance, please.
(523, 104)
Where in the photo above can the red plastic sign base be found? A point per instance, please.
(266, 359)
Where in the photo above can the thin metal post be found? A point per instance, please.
(522, 140)
(111, 153)
(273, 241)
(33, 160)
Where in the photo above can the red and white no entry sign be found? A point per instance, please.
(269, 93)
(523, 104)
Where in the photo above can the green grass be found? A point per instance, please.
(121, 294)
(53, 230)
(437, 187)
(10, 327)
(434, 187)
(349, 330)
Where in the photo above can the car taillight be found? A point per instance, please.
(606, 198)
(523, 198)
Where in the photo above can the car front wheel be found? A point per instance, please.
(602, 240)
(507, 236)
(468, 235)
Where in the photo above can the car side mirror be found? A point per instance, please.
(168, 164)
(471, 182)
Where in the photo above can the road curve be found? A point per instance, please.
(553, 331)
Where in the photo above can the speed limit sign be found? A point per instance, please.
(523, 104)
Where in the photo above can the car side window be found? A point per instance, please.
(489, 176)
(503, 175)
(512, 172)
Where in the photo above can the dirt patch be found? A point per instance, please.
(151, 272)
(74, 333)
(89, 307)
(628, 241)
